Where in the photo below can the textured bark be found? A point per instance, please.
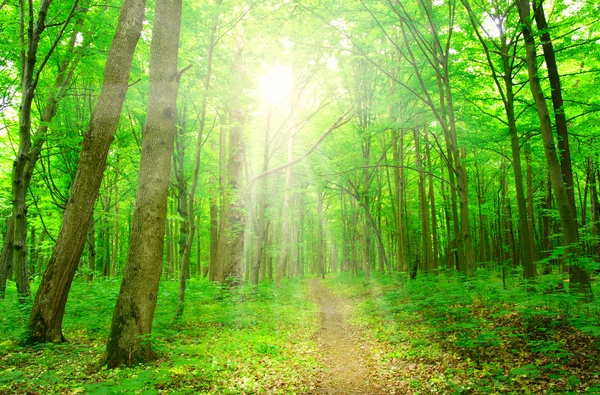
(129, 339)
(579, 277)
(45, 323)
(557, 101)
(231, 239)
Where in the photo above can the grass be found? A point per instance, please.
(248, 341)
(443, 334)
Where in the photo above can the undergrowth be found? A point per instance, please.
(251, 340)
(451, 335)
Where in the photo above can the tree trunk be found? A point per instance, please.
(564, 151)
(579, 278)
(426, 247)
(261, 191)
(285, 214)
(115, 249)
(434, 234)
(401, 259)
(189, 224)
(231, 240)
(45, 323)
(129, 341)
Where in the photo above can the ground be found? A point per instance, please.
(436, 335)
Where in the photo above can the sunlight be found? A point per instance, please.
(275, 86)
(490, 25)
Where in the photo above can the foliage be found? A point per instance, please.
(243, 341)
(447, 334)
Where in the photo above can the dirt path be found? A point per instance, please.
(346, 372)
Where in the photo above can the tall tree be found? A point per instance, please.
(31, 33)
(579, 277)
(231, 238)
(45, 323)
(132, 320)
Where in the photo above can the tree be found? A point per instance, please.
(580, 279)
(128, 342)
(231, 240)
(45, 323)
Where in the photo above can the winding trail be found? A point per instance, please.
(344, 359)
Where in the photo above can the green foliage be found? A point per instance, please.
(229, 341)
(449, 334)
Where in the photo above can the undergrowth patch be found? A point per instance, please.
(251, 340)
(450, 335)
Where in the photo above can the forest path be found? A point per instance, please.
(342, 354)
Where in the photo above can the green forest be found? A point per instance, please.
(299, 197)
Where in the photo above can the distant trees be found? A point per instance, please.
(435, 163)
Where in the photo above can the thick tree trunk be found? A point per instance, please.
(45, 323)
(231, 240)
(579, 278)
(128, 342)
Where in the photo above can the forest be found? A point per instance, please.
(299, 197)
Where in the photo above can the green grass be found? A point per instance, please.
(248, 341)
(444, 334)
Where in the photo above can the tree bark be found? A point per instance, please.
(45, 323)
(129, 341)
(231, 239)
(557, 101)
(579, 277)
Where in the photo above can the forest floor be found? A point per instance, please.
(341, 347)
(433, 335)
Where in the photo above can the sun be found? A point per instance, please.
(275, 86)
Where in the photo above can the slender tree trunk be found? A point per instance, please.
(129, 342)
(6, 257)
(91, 241)
(190, 223)
(45, 323)
(262, 206)
(401, 259)
(426, 247)
(434, 230)
(530, 217)
(285, 214)
(115, 251)
(560, 118)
